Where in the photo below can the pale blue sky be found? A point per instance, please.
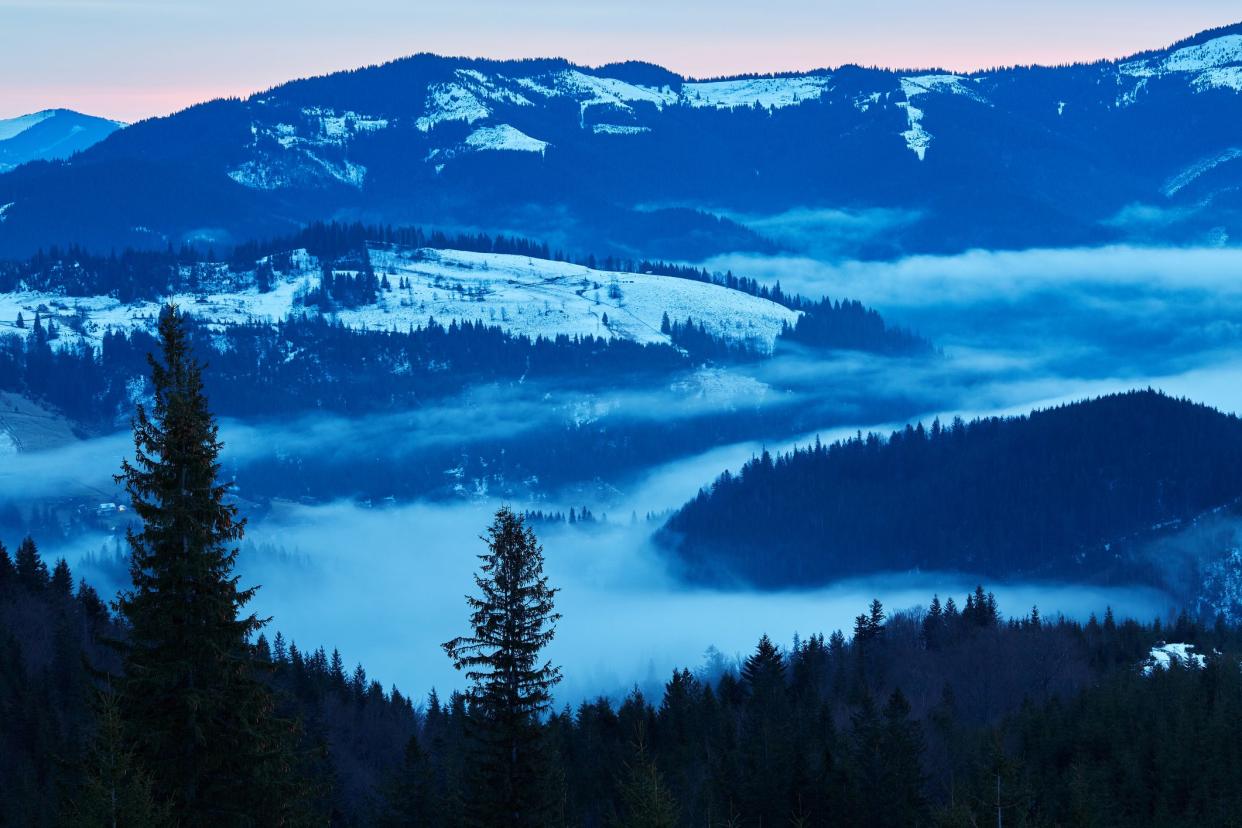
(134, 58)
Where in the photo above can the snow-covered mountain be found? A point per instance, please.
(524, 296)
(50, 134)
(632, 158)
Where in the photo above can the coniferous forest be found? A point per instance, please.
(1053, 494)
(175, 705)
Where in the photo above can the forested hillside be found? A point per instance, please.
(1043, 495)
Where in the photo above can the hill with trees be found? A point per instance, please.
(1052, 494)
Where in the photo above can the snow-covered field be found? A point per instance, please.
(538, 297)
(525, 296)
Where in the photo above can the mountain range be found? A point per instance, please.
(52, 134)
(631, 158)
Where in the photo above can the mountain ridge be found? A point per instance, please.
(601, 158)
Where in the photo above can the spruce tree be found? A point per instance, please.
(201, 722)
(512, 619)
(31, 570)
(764, 670)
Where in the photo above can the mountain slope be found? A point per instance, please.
(1048, 495)
(632, 158)
(50, 134)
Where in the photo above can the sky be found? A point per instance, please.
(131, 59)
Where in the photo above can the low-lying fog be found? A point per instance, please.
(1019, 330)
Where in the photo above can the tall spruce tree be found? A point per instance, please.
(201, 722)
(513, 619)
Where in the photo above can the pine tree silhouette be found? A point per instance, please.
(513, 619)
(202, 724)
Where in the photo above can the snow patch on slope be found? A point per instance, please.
(1188, 175)
(504, 137)
(945, 84)
(618, 129)
(1226, 77)
(338, 127)
(918, 139)
(594, 91)
(500, 138)
(766, 93)
(465, 99)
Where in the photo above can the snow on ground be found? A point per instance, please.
(504, 137)
(525, 296)
(339, 127)
(466, 99)
(1163, 655)
(946, 84)
(536, 297)
(1188, 175)
(1226, 77)
(767, 93)
(1214, 64)
(1219, 51)
(593, 91)
(617, 129)
(501, 138)
(917, 138)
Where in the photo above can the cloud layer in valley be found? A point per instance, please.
(1018, 330)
